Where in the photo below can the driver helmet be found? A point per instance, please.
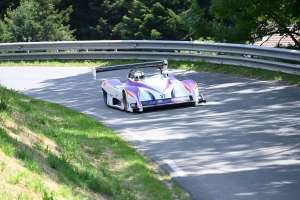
(139, 75)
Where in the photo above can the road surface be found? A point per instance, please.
(243, 144)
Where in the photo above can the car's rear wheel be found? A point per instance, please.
(104, 96)
(124, 100)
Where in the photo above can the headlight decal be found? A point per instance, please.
(130, 93)
(192, 85)
(195, 86)
(112, 82)
(186, 87)
(133, 92)
(168, 84)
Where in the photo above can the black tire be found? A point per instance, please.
(194, 104)
(104, 96)
(124, 101)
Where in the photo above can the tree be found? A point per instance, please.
(197, 20)
(152, 20)
(244, 20)
(5, 35)
(122, 19)
(81, 18)
(7, 4)
(95, 19)
(38, 20)
(131, 26)
(106, 15)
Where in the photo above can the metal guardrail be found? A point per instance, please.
(223, 53)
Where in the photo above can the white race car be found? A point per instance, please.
(141, 92)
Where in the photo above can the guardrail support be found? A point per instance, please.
(225, 53)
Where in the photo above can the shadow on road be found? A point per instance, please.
(244, 144)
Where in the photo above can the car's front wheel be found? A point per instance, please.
(104, 96)
(124, 100)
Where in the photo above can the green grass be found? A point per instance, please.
(63, 63)
(257, 73)
(51, 152)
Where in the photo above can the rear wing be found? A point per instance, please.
(159, 64)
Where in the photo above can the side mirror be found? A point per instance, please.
(165, 73)
(165, 64)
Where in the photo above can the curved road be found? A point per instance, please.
(243, 144)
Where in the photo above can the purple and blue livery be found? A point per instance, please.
(139, 92)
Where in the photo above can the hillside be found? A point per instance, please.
(48, 151)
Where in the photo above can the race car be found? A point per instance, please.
(141, 92)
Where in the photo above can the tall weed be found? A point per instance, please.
(3, 104)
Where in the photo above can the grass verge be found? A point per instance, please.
(48, 151)
(257, 73)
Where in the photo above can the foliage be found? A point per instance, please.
(3, 104)
(235, 21)
(127, 19)
(38, 20)
(5, 34)
(197, 20)
(241, 21)
(152, 20)
(80, 18)
(107, 14)
(8, 4)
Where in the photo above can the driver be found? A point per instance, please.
(139, 75)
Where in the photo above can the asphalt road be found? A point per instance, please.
(243, 144)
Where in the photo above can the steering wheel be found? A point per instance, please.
(131, 73)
